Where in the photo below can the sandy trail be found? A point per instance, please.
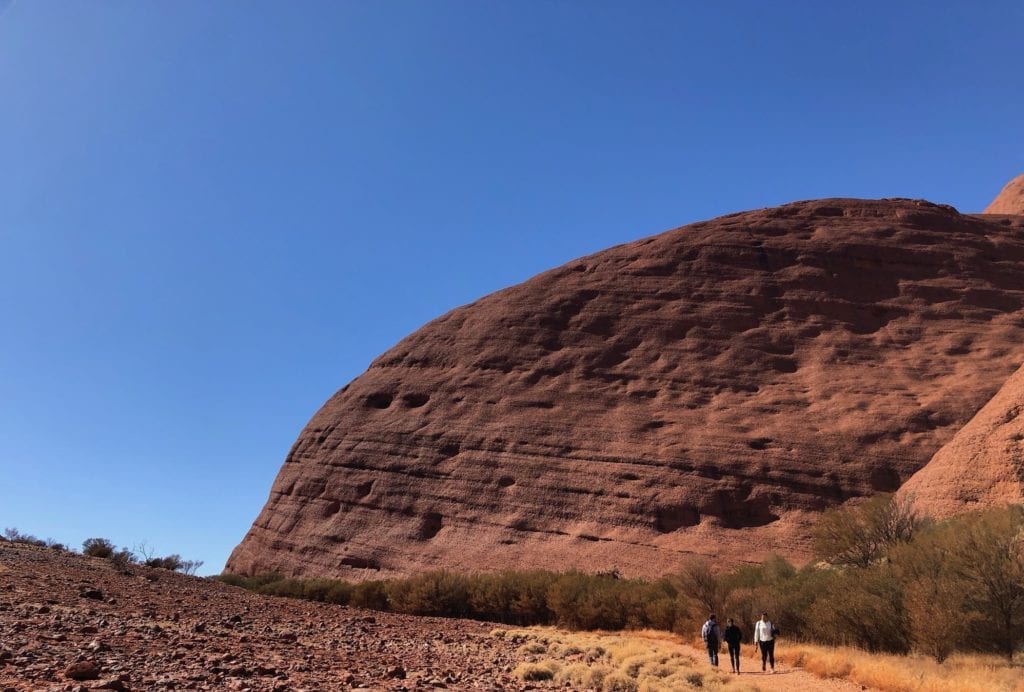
(786, 678)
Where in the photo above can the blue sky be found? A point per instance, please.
(215, 214)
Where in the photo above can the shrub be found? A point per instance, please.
(862, 608)
(974, 567)
(171, 562)
(619, 682)
(860, 535)
(123, 559)
(433, 593)
(544, 670)
(97, 547)
(370, 594)
(14, 536)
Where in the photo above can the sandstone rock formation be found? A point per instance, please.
(1010, 200)
(983, 465)
(708, 390)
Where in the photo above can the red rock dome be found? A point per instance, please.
(709, 390)
(1010, 200)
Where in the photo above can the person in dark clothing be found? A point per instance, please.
(711, 633)
(733, 636)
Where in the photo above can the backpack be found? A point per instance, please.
(775, 630)
(707, 632)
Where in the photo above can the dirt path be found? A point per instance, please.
(785, 679)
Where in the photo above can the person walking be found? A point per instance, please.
(764, 636)
(711, 633)
(733, 636)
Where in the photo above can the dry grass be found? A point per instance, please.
(541, 670)
(619, 662)
(890, 673)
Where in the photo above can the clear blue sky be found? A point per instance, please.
(215, 214)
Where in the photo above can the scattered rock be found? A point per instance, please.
(84, 670)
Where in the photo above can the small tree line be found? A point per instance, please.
(122, 558)
(886, 580)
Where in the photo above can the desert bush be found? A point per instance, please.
(54, 545)
(174, 563)
(97, 547)
(974, 567)
(581, 602)
(860, 535)
(338, 592)
(704, 586)
(14, 536)
(989, 557)
(370, 594)
(619, 682)
(439, 593)
(122, 559)
(544, 670)
(251, 583)
(515, 598)
(171, 562)
(862, 608)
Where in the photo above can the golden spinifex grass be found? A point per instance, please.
(913, 673)
(643, 661)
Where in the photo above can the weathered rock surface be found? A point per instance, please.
(1010, 200)
(708, 390)
(983, 465)
(187, 633)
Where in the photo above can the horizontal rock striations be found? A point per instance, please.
(983, 465)
(704, 391)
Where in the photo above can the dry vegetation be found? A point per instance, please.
(911, 673)
(634, 662)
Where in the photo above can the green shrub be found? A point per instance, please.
(438, 593)
(370, 594)
(97, 547)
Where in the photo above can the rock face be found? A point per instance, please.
(1010, 200)
(708, 390)
(983, 465)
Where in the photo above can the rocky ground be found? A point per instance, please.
(69, 622)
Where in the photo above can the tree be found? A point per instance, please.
(990, 558)
(702, 585)
(860, 535)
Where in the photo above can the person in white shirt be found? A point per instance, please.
(764, 637)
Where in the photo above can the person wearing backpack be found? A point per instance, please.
(711, 633)
(764, 636)
(733, 636)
